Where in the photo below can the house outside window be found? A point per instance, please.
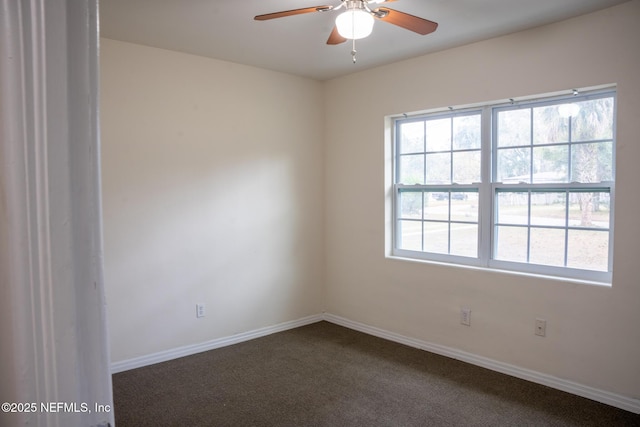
(524, 186)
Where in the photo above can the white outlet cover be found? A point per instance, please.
(465, 316)
(199, 310)
(541, 327)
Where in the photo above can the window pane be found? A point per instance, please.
(411, 205)
(464, 206)
(512, 208)
(436, 237)
(436, 206)
(592, 162)
(548, 126)
(513, 165)
(589, 210)
(511, 243)
(466, 132)
(594, 120)
(514, 127)
(588, 250)
(438, 168)
(410, 233)
(439, 135)
(411, 137)
(547, 246)
(466, 167)
(551, 164)
(412, 169)
(464, 240)
(548, 209)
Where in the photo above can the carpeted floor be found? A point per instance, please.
(327, 375)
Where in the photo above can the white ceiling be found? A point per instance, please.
(226, 30)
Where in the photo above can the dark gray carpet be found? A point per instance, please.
(327, 375)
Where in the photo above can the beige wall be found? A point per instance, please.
(212, 185)
(263, 196)
(593, 333)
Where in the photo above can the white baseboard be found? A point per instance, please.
(612, 399)
(163, 356)
(616, 400)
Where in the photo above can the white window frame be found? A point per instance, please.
(488, 188)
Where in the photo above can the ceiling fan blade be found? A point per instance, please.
(406, 21)
(335, 37)
(292, 12)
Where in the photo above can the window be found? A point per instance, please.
(525, 186)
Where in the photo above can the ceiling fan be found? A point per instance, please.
(357, 20)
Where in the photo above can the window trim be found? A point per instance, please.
(488, 189)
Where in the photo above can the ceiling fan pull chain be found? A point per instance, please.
(353, 51)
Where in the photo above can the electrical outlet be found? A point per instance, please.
(541, 327)
(465, 316)
(199, 310)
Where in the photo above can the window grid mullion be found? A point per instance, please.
(450, 152)
(530, 146)
(570, 150)
(422, 224)
(529, 226)
(449, 225)
(566, 230)
(485, 214)
(424, 158)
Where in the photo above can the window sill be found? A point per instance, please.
(502, 271)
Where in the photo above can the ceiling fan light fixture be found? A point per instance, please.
(354, 24)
